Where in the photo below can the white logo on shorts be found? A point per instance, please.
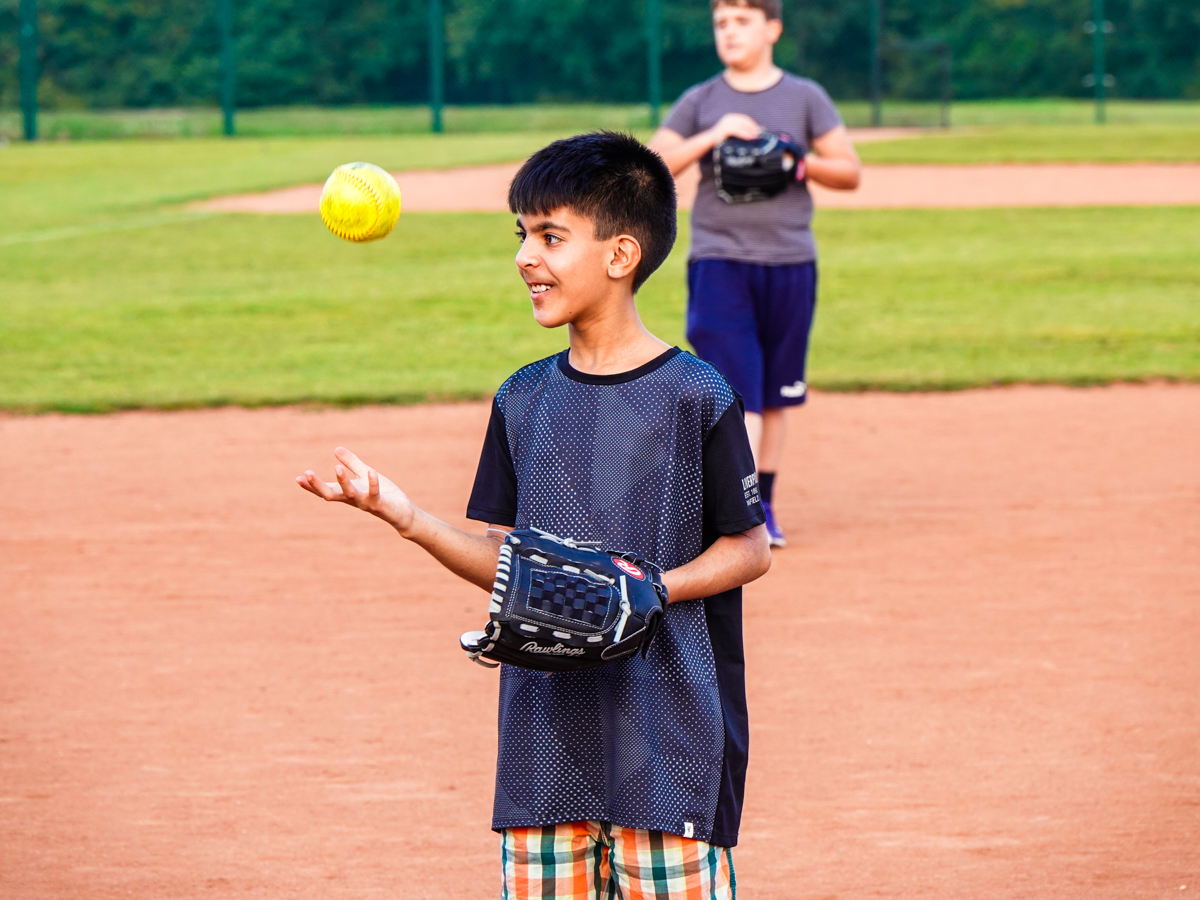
(793, 390)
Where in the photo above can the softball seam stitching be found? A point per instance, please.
(367, 188)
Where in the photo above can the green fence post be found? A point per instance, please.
(654, 60)
(228, 65)
(437, 72)
(876, 63)
(947, 83)
(1099, 68)
(28, 40)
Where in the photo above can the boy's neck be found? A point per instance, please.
(761, 75)
(612, 342)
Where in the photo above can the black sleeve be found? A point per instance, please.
(731, 501)
(494, 496)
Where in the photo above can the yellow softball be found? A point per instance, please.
(360, 202)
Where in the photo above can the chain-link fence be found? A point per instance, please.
(170, 59)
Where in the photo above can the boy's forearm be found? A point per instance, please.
(469, 556)
(732, 560)
(833, 162)
(682, 155)
(839, 173)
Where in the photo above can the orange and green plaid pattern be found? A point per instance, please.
(600, 861)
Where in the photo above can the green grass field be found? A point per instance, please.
(258, 310)
(113, 296)
(1114, 143)
(326, 121)
(1025, 113)
(318, 121)
(281, 146)
(63, 190)
(45, 188)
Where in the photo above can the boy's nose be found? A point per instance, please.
(525, 256)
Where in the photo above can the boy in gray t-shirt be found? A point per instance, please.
(752, 266)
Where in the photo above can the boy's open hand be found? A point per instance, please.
(359, 485)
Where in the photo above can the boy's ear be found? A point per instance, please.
(625, 255)
(774, 30)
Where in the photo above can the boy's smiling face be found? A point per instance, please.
(569, 272)
(743, 34)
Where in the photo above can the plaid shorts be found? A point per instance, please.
(601, 861)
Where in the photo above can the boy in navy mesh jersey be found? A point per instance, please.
(624, 780)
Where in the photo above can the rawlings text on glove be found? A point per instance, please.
(558, 606)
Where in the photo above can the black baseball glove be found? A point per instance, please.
(745, 171)
(560, 606)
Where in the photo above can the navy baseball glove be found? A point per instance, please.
(745, 171)
(562, 606)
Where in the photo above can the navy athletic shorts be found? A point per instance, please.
(751, 322)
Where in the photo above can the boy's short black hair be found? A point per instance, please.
(611, 178)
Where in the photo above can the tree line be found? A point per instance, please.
(145, 53)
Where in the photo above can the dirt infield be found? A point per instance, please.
(485, 188)
(974, 675)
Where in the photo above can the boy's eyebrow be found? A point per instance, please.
(544, 225)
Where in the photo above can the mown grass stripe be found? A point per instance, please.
(99, 228)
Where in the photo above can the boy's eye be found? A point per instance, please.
(548, 238)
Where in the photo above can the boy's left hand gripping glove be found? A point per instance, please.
(745, 171)
(559, 606)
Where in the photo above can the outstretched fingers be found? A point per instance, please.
(347, 484)
(351, 462)
(357, 483)
(314, 485)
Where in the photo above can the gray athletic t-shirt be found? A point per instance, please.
(774, 231)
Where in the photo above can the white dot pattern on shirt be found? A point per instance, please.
(640, 742)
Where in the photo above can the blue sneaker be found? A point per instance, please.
(774, 532)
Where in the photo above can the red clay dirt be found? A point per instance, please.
(974, 675)
(485, 188)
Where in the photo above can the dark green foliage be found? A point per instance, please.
(514, 50)
(330, 52)
(1003, 48)
(142, 53)
(9, 54)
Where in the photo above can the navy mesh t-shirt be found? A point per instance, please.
(656, 461)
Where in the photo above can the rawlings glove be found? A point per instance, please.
(745, 171)
(559, 606)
